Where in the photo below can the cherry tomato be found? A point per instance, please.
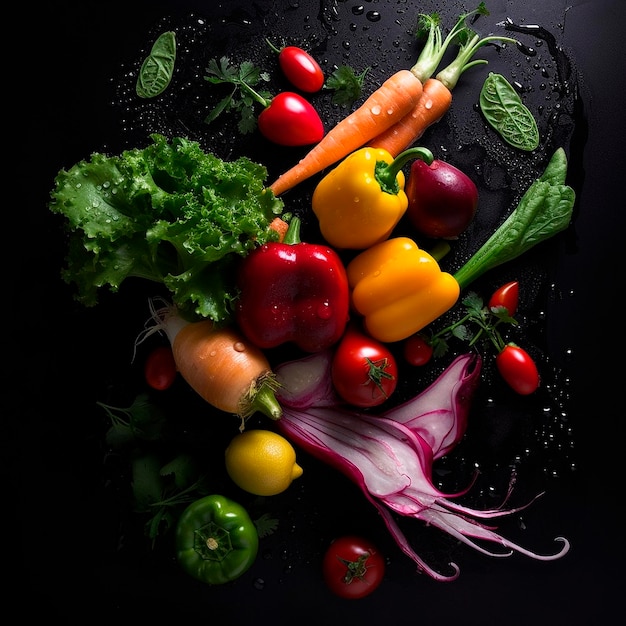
(352, 567)
(518, 369)
(364, 371)
(417, 350)
(160, 369)
(301, 69)
(290, 120)
(506, 296)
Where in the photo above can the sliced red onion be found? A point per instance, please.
(307, 381)
(390, 456)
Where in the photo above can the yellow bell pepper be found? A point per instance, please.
(359, 203)
(399, 288)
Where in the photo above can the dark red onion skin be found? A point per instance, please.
(443, 200)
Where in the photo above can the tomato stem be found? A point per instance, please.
(377, 370)
(272, 46)
(355, 569)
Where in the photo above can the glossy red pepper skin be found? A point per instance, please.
(518, 369)
(301, 69)
(292, 292)
(507, 296)
(290, 120)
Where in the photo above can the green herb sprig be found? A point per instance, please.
(477, 321)
(346, 85)
(244, 95)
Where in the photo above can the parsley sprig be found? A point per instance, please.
(346, 84)
(477, 321)
(244, 79)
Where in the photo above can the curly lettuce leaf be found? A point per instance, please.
(171, 213)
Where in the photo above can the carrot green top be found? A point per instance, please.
(435, 47)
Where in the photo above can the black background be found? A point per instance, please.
(71, 563)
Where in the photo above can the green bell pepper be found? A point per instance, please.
(216, 541)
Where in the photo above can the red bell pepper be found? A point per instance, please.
(292, 292)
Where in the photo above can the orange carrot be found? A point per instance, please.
(437, 92)
(432, 106)
(280, 226)
(390, 104)
(223, 367)
(384, 107)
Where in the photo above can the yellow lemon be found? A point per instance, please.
(261, 462)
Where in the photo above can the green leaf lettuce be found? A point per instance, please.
(170, 213)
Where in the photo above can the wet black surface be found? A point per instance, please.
(81, 553)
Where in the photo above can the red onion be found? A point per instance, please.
(390, 456)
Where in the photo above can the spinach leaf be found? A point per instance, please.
(158, 67)
(507, 114)
(544, 210)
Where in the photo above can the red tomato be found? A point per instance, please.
(301, 69)
(506, 296)
(352, 567)
(417, 350)
(518, 369)
(160, 369)
(290, 120)
(364, 371)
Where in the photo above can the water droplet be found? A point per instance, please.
(358, 9)
(527, 50)
(324, 311)
(239, 346)
(375, 110)
(373, 16)
(259, 583)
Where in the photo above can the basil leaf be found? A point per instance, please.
(158, 67)
(507, 114)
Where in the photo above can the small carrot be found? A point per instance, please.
(361, 127)
(223, 367)
(280, 226)
(432, 106)
(384, 107)
(437, 92)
